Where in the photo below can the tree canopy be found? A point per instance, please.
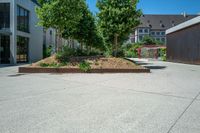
(60, 14)
(72, 18)
(116, 19)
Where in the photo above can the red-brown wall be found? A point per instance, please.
(184, 45)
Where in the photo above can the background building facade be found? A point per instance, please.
(156, 25)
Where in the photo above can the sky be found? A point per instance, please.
(161, 6)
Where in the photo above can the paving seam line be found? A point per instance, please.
(183, 113)
(152, 93)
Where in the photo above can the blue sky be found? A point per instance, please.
(162, 6)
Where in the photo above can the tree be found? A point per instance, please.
(148, 40)
(83, 28)
(116, 19)
(87, 32)
(93, 38)
(63, 15)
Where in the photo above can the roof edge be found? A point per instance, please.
(184, 25)
(175, 14)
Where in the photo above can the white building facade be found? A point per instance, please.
(156, 25)
(21, 40)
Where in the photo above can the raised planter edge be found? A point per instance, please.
(76, 70)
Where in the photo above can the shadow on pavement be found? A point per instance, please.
(3, 66)
(16, 75)
(149, 65)
(11, 65)
(142, 63)
(155, 67)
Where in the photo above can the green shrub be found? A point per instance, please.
(64, 54)
(120, 53)
(47, 51)
(54, 64)
(108, 52)
(85, 66)
(44, 64)
(131, 52)
(163, 53)
(79, 52)
(95, 53)
(147, 40)
(61, 57)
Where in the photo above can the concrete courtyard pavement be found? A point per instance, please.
(167, 100)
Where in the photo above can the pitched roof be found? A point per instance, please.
(184, 25)
(163, 21)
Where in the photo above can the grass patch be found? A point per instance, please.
(53, 65)
(85, 66)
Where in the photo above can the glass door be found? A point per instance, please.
(22, 49)
(4, 49)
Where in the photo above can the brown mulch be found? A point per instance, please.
(96, 62)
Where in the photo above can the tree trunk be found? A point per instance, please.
(59, 40)
(81, 46)
(90, 48)
(72, 41)
(56, 46)
(115, 47)
(68, 44)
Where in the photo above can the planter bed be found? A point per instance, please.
(95, 64)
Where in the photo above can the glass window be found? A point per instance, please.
(4, 15)
(22, 49)
(163, 40)
(140, 31)
(22, 19)
(158, 33)
(153, 33)
(140, 38)
(163, 33)
(146, 30)
(4, 49)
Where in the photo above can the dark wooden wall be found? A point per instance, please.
(184, 45)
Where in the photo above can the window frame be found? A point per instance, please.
(23, 24)
(5, 16)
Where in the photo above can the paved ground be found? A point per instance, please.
(164, 101)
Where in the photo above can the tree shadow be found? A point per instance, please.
(155, 67)
(142, 63)
(16, 75)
